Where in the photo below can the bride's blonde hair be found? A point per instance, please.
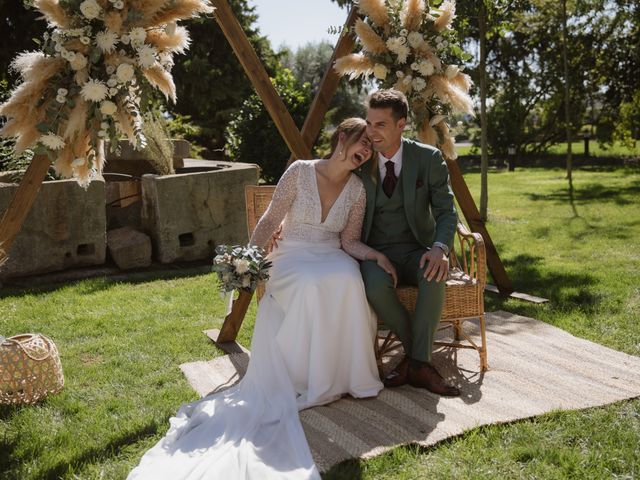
(353, 128)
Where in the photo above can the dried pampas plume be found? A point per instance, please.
(412, 14)
(161, 79)
(427, 134)
(52, 12)
(177, 42)
(370, 40)
(448, 10)
(449, 93)
(376, 10)
(179, 10)
(355, 65)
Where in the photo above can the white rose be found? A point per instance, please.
(242, 266)
(415, 39)
(380, 71)
(63, 91)
(112, 82)
(90, 9)
(108, 107)
(61, 99)
(79, 62)
(110, 69)
(246, 281)
(124, 72)
(418, 84)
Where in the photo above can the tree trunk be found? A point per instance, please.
(484, 156)
(567, 106)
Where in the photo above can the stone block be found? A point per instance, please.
(65, 228)
(188, 214)
(129, 248)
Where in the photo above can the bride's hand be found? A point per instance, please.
(272, 244)
(385, 264)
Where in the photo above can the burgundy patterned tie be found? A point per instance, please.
(390, 179)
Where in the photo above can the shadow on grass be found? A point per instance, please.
(568, 291)
(593, 192)
(90, 455)
(103, 283)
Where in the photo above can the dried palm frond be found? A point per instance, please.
(371, 41)
(161, 79)
(411, 15)
(355, 65)
(376, 10)
(177, 42)
(179, 10)
(448, 13)
(53, 12)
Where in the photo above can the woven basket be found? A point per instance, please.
(29, 369)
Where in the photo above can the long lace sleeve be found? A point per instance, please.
(281, 202)
(350, 235)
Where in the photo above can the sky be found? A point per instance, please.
(297, 22)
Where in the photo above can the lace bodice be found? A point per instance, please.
(296, 200)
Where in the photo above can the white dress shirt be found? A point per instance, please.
(397, 163)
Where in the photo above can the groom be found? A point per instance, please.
(410, 218)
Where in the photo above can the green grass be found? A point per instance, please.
(121, 345)
(577, 148)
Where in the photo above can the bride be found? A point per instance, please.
(313, 337)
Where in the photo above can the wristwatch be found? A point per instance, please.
(444, 247)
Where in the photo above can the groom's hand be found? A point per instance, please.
(438, 264)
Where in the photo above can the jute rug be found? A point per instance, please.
(533, 368)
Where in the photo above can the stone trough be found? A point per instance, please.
(185, 216)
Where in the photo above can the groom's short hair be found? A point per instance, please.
(393, 99)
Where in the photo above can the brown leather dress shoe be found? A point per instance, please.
(398, 376)
(429, 378)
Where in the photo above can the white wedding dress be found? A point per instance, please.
(312, 343)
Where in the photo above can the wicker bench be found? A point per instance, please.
(464, 292)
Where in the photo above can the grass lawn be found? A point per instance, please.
(121, 344)
(577, 148)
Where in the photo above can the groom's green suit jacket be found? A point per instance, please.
(428, 198)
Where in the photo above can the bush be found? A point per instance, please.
(252, 136)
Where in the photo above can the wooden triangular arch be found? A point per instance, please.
(299, 143)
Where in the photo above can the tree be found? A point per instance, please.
(19, 25)
(253, 137)
(309, 64)
(210, 82)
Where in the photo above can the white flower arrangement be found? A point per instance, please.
(409, 46)
(240, 268)
(85, 86)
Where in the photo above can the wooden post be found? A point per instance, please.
(328, 84)
(233, 321)
(259, 78)
(21, 203)
(472, 216)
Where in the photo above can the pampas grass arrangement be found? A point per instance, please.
(409, 46)
(86, 83)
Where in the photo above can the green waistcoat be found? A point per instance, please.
(390, 225)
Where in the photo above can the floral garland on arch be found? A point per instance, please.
(86, 82)
(410, 46)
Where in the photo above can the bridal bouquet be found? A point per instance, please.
(409, 45)
(88, 82)
(240, 268)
